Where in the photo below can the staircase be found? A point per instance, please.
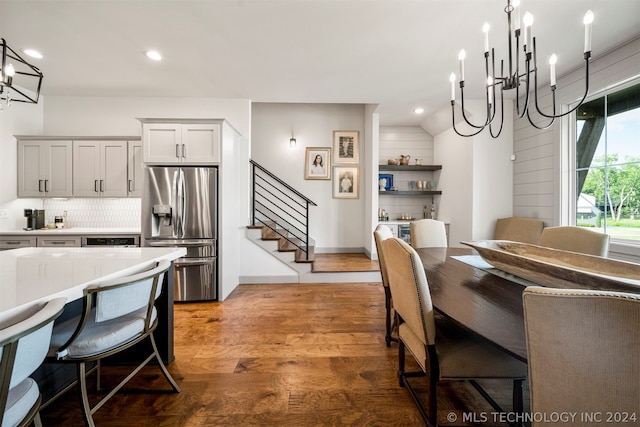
(280, 225)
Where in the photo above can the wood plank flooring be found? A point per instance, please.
(278, 355)
(344, 262)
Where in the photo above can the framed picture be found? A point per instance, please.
(346, 180)
(317, 163)
(346, 146)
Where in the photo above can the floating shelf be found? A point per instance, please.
(409, 168)
(410, 193)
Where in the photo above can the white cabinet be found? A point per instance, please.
(135, 169)
(100, 168)
(15, 242)
(180, 142)
(44, 168)
(58, 241)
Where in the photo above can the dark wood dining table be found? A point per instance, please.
(479, 301)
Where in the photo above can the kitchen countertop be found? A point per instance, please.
(31, 275)
(74, 231)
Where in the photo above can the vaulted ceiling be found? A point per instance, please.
(395, 53)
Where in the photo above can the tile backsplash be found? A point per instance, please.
(95, 212)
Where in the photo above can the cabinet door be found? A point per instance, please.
(14, 242)
(113, 166)
(86, 168)
(30, 165)
(162, 143)
(135, 172)
(58, 241)
(201, 143)
(44, 169)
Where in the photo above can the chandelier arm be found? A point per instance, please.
(584, 96)
(501, 116)
(547, 126)
(454, 123)
(464, 115)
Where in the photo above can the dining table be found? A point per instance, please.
(483, 301)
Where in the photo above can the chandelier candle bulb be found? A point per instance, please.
(588, 20)
(461, 57)
(452, 79)
(528, 31)
(552, 69)
(516, 13)
(485, 30)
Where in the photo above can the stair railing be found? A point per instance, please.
(279, 207)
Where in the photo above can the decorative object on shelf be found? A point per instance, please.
(412, 185)
(388, 181)
(514, 78)
(346, 146)
(406, 217)
(393, 162)
(317, 164)
(433, 211)
(18, 78)
(418, 162)
(346, 180)
(425, 213)
(383, 215)
(404, 159)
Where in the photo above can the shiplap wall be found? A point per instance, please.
(541, 170)
(415, 142)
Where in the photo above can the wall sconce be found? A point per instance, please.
(293, 143)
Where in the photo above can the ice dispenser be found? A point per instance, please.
(162, 220)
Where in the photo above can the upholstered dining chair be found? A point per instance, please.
(519, 229)
(117, 314)
(582, 348)
(382, 232)
(443, 350)
(575, 239)
(428, 233)
(24, 342)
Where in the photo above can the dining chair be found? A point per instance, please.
(519, 229)
(582, 348)
(575, 239)
(24, 342)
(443, 350)
(428, 233)
(117, 314)
(382, 232)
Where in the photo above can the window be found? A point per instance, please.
(608, 163)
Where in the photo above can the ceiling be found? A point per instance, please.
(394, 53)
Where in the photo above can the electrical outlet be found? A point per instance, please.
(4, 214)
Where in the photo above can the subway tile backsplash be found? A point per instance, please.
(95, 212)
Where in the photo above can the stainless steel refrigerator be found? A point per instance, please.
(180, 209)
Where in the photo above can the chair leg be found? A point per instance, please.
(37, 422)
(387, 304)
(518, 403)
(401, 361)
(84, 396)
(165, 372)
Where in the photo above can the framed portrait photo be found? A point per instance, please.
(346, 180)
(317, 163)
(346, 146)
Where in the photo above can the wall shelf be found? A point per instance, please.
(409, 168)
(410, 193)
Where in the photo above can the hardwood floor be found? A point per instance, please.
(344, 262)
(278, 355)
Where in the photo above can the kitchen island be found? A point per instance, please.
(32, 275)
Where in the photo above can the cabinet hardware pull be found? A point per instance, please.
(46, 186)
(178, 150)
(57, 243)
(40, 185)
(184, 151)
(102, 186)
(95, 185)
(12, 243)
(130, 182)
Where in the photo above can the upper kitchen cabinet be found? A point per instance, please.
(100, 168)
(181, 141)
(135, 172)
(44, 168)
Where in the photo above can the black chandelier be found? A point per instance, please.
(18, 78)
(513, 79)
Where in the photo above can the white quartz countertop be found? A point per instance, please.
(103, 231)
(31, 275)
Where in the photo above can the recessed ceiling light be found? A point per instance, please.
(33, 53)
(419, 110)
(153, 54)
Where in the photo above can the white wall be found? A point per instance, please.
(335, 224)
(17, 119)
(476, 178)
